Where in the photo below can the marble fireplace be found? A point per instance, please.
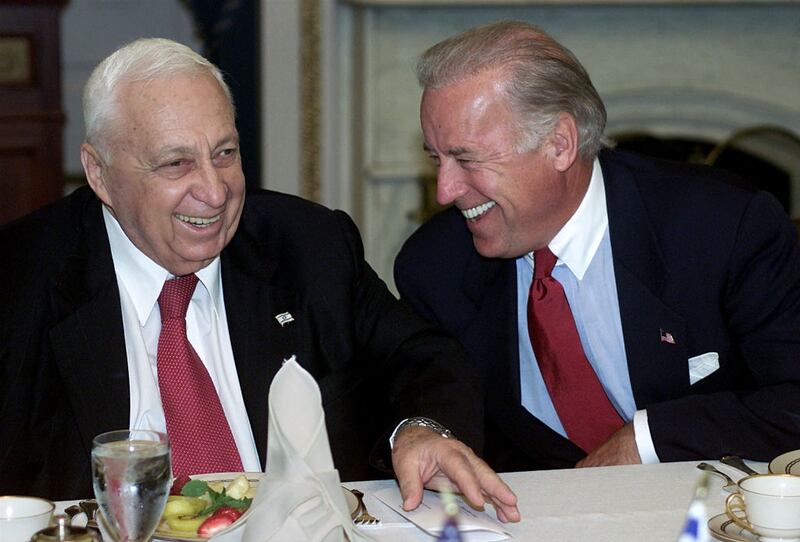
(709, 72)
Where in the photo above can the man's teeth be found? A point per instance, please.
(474, 212)
(197, 221)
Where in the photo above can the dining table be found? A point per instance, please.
(631, 503)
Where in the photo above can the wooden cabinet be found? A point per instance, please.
(31, 117)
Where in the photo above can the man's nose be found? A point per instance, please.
(450, 183)
(211, 188)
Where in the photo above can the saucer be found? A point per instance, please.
(723, 528)
(788, 463)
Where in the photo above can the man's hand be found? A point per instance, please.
(423, 458)
(619, 449)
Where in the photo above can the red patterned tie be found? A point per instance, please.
(199, 433)
(580, 401)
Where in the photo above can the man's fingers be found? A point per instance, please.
(459, 469)
(499, 493)
(410, 482)
(423, 458)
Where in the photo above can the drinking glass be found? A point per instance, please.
(131, 477)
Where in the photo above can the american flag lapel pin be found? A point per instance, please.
(666, 337)
(284, 318)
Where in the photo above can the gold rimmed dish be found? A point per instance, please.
(788, 463)
(723, 528)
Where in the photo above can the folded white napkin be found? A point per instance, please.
(300, 496)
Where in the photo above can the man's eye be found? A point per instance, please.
(435, 160)
(176, 168)
(226, 157)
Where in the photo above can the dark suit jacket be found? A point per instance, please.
(63, 369)
(716, 266)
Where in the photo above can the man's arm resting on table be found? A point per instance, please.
(631, 444)
(424, 457)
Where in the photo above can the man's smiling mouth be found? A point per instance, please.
(198, 221)
(473, 213)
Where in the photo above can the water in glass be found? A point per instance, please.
(131, 476)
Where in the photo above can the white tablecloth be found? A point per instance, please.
(608, 504)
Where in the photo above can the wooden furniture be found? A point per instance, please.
(31, 118)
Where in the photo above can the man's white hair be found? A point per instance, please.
(143, 60)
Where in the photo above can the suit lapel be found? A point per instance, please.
(88, 339)
(492, 330)
(260, 343)
(656, 364)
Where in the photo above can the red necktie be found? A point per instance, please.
(199, 433)
(580, 401)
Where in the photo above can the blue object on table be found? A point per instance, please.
(450, 531)
(695, 528)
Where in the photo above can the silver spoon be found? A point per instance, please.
(737, 463)
(730, 486)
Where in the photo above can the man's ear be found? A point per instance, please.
(564, 142)
(94, 169)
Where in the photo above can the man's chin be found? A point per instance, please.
(486, 248)
(491, 248)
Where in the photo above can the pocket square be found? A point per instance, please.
(701, 366)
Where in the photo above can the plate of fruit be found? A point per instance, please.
(206, 505)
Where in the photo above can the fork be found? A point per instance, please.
(362, 516)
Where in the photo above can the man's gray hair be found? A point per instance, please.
(542, 79)
(143, 60)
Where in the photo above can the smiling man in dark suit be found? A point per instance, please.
(621, 310)
(92, 280)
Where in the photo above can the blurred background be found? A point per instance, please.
(328, 104)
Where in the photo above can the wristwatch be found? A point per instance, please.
(419, 421)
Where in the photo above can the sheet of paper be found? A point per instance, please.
(474, 525)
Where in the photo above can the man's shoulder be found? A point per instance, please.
(679, 195)
(267, 208)
(435, 256)
(667, 179)
(53, 225)
(443, 236)
(277, 225)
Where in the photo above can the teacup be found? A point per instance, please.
(21, 517)
(771, 506)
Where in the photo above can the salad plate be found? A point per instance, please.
(226, 478)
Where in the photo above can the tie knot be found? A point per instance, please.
(543, 263)
(175, 296)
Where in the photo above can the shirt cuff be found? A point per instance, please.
(644, 441)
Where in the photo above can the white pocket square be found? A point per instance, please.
(701, 366)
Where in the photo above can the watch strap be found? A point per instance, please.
(419, 421)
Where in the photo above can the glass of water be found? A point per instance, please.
(131, 477)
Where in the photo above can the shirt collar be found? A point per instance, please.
(577, 241)
(143, 278)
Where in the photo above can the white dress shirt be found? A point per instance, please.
(585, 268)
(140, 281)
